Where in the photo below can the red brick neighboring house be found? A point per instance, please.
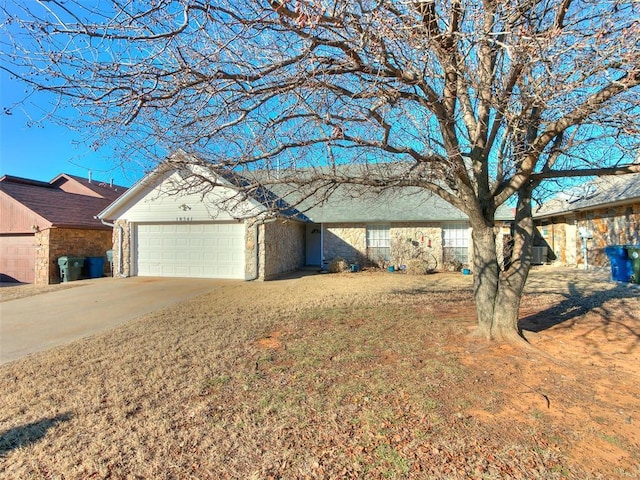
(608, 208)
(42, 221)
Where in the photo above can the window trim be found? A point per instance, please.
(378, 247)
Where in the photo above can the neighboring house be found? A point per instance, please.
(42, 221)
(169, 225)
(607, 208)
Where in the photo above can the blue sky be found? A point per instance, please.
(43, 152)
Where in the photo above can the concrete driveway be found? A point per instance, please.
(39, 322)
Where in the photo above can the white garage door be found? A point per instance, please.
(202, 250)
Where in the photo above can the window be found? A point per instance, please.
(378, 243)
(456, 243)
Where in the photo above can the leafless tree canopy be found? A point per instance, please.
(521, 88)
(475, 100)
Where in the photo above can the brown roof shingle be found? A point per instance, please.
(57, 206)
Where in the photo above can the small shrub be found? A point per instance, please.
(417, 266)
(454, 265)
(338, 265)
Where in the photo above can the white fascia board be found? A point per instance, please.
(152, 180)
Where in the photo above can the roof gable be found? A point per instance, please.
(18, 218)
(179, 178)
(48, 204)
(601, 192)
(87, 186)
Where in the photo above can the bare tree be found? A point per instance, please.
(478, 101)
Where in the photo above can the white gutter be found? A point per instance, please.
(322, 246)
(256, 239)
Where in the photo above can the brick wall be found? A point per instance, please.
(54, 243)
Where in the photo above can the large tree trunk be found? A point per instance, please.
(498, 293)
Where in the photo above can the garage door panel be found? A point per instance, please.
(17, 258)
(204, 250)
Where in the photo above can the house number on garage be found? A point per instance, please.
(184, 219)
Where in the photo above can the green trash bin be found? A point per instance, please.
(70, 268)
(633, 251)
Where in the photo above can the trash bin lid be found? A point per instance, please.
(615, 251)
(633, 251)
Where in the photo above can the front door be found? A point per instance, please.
(314, 244)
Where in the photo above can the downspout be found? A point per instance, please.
(322, 247)
(119, 227)
(256, 239)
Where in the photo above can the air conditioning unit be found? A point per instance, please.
(538, 255)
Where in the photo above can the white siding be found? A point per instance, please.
(160, 204)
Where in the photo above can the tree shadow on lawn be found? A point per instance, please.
(578, 303)
(24, 435)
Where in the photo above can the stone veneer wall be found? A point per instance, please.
(122, 269)
(251, 267)
(554, 235)
(405, 235)
(349, 241)
(54, 243)
(281, 246)
(610, 226)
(345, 240)
(42, 263)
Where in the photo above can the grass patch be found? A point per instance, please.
(351, 376)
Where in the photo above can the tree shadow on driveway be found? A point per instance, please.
(25, 435)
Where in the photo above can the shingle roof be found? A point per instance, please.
(347, 203)
(601, 192)
(362, 204)
(55, 205)
(405, 204)
(102, 189)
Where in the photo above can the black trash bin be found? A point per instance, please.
(620, 263)
(94, 266)
(70, 268)
(633, 252)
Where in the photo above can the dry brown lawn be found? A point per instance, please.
(363, 375)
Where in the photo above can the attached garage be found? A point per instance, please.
(199, 250)
(181, 220)
(17, 258)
